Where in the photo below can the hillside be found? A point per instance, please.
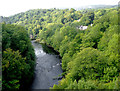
(90, 58)
(97, 7)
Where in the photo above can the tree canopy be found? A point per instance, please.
(90, 57)
(18, 58)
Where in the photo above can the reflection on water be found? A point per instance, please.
(49, 50)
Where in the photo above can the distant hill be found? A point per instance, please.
(4, 19)
(96, 7)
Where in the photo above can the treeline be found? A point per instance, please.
(36, 20)
(90, 58)
(18, 58)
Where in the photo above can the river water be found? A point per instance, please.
(47, 68)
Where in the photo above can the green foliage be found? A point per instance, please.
(18, 58)
(90, 58)
(89, 84)
(39, 19)
(103, 43)
(14, 65)
(87, 18)
(86, 62)
(92, 38)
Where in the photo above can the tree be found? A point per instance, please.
(18, 57)
(14, 65)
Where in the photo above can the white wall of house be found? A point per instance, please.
(83, 27)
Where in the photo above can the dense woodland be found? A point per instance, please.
(90, 58)
(18, 58)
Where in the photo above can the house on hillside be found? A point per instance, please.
(91, 24)
(82, 27)
(78, 20)
(31, 36)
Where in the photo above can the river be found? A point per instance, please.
(47, 68)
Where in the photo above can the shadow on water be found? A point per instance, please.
(49, 49)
